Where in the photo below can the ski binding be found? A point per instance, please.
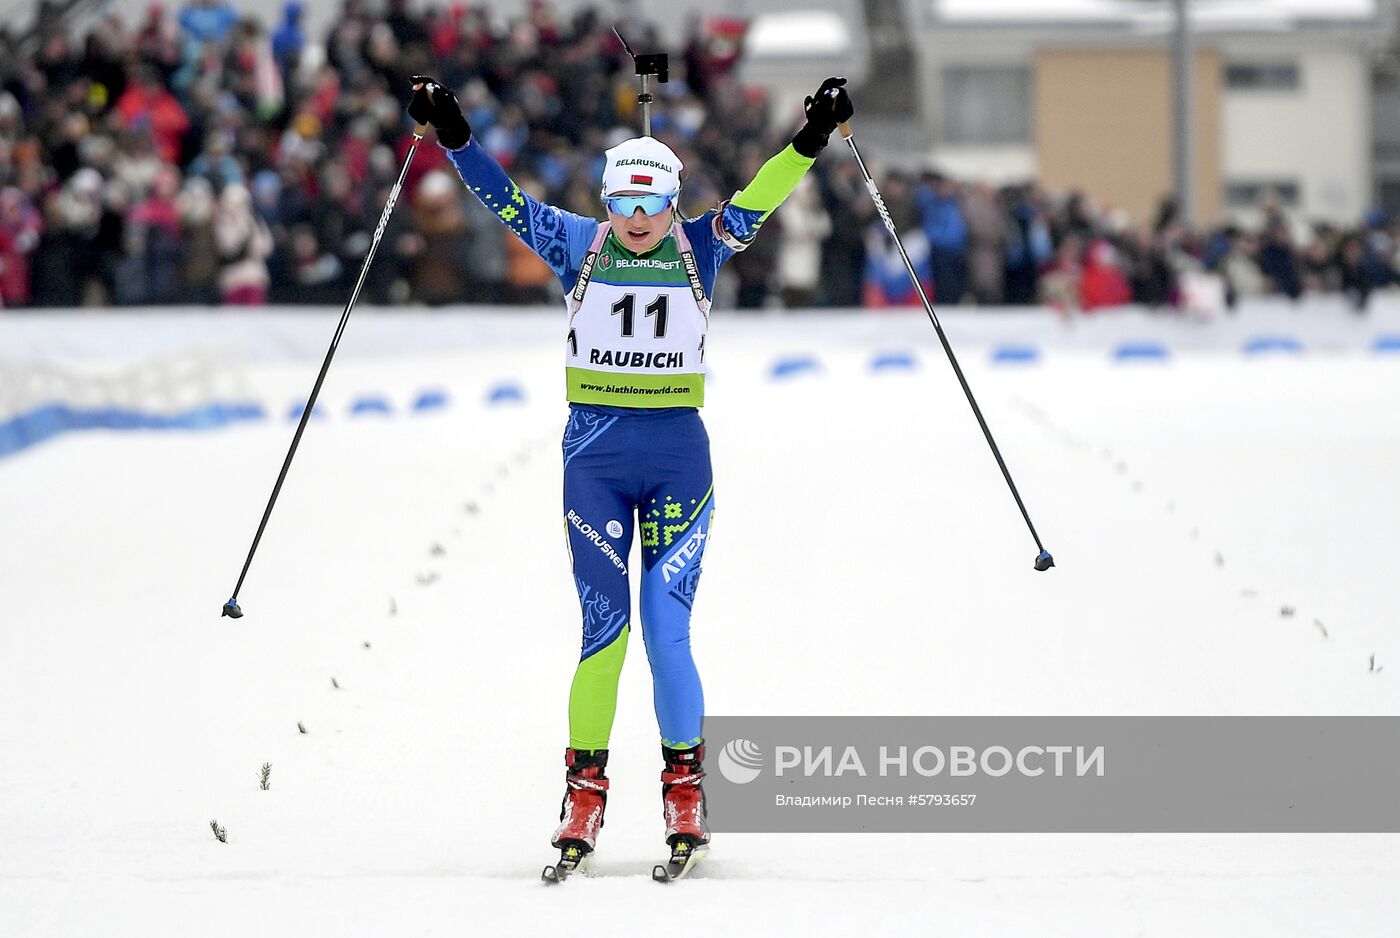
(684, 856)
(572, 858)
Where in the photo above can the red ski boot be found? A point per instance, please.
(682, 798)
(683, 806)
(581, 814)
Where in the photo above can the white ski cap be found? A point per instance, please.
(642, 164)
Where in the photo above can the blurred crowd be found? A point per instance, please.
(1019, 245)
(203, 157)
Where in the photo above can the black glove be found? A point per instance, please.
(436, 104)
(831, 105)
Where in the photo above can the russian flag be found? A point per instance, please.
(640, 180)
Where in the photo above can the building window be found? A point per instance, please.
(986, 105)
(1252, 194)
(1389, 197)
(1262, 76)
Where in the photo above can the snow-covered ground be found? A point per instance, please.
(868, 559)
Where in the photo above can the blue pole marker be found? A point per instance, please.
(506, 392)
(1269, 344)
(297, 408)
(370, 404)
(791, 367)
(431, 399)
(1140, 351)
(1015, 355)
(894, 361)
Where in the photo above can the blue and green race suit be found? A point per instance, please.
(640, 467)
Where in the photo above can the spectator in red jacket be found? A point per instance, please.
(146, 104)
(20, 227)
(1103, 282)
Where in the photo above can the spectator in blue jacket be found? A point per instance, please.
(943, 223)
(288, 39)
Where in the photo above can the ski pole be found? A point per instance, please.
(1043, 560)
(231, 607)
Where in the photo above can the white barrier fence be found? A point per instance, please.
(190, 389)
(1322, 324)
(186, 368)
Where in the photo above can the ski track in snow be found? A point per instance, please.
(410, 606)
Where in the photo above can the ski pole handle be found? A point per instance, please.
(420, 129)
(846, 131)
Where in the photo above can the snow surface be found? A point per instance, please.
(868, 559)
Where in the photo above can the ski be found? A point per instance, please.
(683, 859)
(572, 859)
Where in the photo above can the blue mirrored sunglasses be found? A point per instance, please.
(625, 205)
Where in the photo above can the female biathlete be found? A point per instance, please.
(636, 455)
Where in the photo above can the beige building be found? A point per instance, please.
(1078, 94)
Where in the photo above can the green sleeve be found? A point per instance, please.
(774, 182)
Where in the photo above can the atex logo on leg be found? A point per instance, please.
(675, 563)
